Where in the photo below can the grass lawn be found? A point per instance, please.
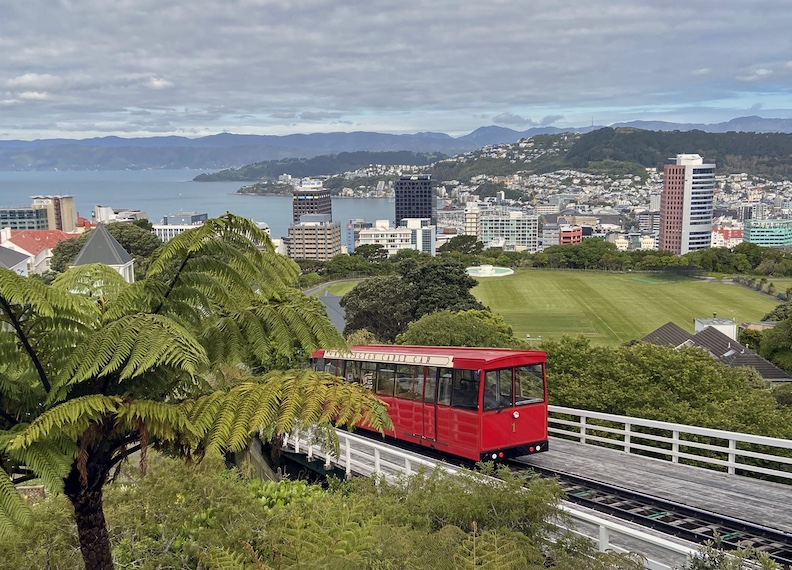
(612, 308)
(340, 289)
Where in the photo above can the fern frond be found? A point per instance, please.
(69, 419)
(164, 421)
(96, 281)
(130, 347)
(51, 460)
(277, 403)
(14, 511)
(216, 558)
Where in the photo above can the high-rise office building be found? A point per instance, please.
(415, 198)
(309, 200)
(314, 237)
(61, 214)
(686, 205)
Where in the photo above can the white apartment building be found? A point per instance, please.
(392, 239)
(414, 233)
(513, 230)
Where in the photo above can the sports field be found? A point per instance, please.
(612, 308)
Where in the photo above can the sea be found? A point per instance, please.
(160, 193)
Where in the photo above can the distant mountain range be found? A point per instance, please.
(230, 151)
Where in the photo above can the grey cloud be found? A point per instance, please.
(510, 119)
(550, 119)
(426, 66)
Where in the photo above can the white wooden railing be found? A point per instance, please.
(361, 456)
(726, 451)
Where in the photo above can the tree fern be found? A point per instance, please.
(92, 367)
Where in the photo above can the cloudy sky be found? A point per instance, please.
(83, 68)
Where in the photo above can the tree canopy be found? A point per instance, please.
(686, 386)
(463, 328)
(385, 305)
(93, 369)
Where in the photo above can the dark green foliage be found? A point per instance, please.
(776, 344)
(463, 328)
(94, 368)
(441, 283)
(462, 244)
(685, 386)
(385, 305)
(382, 305)
(764, 154)
(373, 253)
(780, 313)
(750, 338)
(783, 394)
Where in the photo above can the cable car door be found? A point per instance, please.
(430, 404)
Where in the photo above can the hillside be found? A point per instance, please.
(228, 150)
(320, 165)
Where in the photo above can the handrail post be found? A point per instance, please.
(582, 428)
(604, 538)
(348, 460)
(675, 447)
(732, 456)
(377, 460)
(627, 437)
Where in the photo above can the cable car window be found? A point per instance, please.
(334, 367)
(368, 373)
(318, 364)
(386, 379)
(529, 381)
(444, 378)
(353, 372)
(430, 389)
(406, 380)
(465, 389)
(498, 389)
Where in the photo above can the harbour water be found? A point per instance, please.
(163, 192)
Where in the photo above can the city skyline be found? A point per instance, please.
(80, 69)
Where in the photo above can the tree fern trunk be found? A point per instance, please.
(90, 519)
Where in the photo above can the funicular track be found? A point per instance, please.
(674, 519)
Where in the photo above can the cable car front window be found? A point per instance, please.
(529, 381)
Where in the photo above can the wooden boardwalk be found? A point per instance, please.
(760, 502)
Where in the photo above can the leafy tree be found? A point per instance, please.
(441, 284)
(463, 244)
(776, 344)
(464, 328)
(372, 252)
(343, 265)
(382, 305)
(686, 386)
(65, 252)
(94, 369)
(143, 223)
(750, 338)
(781, 312)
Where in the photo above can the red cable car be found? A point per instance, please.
(482, 404)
